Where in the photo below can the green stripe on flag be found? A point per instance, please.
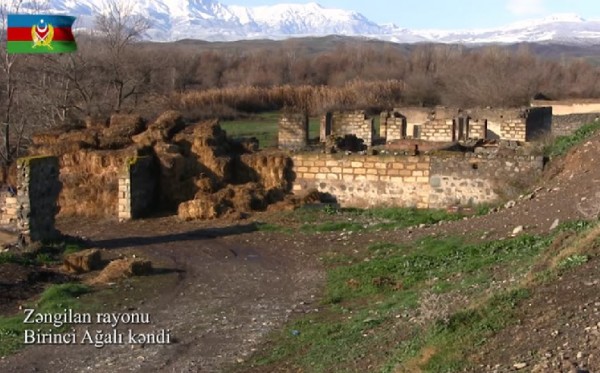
(27, 47)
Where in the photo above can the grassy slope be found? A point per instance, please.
(424, 306)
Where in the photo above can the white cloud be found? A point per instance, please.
(525, 7)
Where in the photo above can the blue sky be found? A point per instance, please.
(451, 14)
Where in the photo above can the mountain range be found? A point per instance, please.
(213, 21)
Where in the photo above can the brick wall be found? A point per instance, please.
(477, 129)
(293, 131)
(392, 126)
(440, 130)
(421, 181)
(138, 185)
(514, 130)
(340, 124)
(363, 181)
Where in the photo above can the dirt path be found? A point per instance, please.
(221, 290)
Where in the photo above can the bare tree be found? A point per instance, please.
(121, 27)
(8, 62)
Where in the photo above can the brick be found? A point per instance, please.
(405, 173)
(320, 163)
(324, 169)
(360, 171)
(337, 170)
(348, 177)
(321, 176)
(381, 165)
(372, 177)
(417, 173)
(357, 164)
(302, 169)
(411, 167)
(314, 169)
(348, 170)
(371, 171)
(360, 178)
(398, 166)
(423, 179)
(369, 164)
(309, 176)
(410, 179)
(332, 163)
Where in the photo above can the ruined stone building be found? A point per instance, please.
(440, 124)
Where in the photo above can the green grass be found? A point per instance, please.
(330, 219)
(563, 143)
(365, 297)
(264, 127)
(54, 299)
(51, 253)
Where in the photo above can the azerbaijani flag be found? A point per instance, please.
(40, 33)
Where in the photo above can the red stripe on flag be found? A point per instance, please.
(24, 34)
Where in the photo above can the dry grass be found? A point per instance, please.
(304, 98)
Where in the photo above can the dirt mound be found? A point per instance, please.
(83, 261)
(123, 268)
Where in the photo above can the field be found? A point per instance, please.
(264, 127)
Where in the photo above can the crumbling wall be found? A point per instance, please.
(440, 130)
(564, 125)
(514, 130)
(416, 181)
(468, 179)
(392, 126)
(8, 207)
(293, 131)
(477, 129)
(137, 188)
(340, 124)
(364, 181)
(38, 187)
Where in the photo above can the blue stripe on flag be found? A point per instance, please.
(28, 20)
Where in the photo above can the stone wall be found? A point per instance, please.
(38, 187)
(415, 181)
(470, 178)
(138, 184)
(363, 181)
(563, 125)
(340, 124)
(293, 131)
(8, 207)
(392, 126)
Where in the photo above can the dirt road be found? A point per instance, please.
(217, 291)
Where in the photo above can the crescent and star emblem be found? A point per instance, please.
(42, 35)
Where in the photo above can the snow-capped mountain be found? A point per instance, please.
(213, 21)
